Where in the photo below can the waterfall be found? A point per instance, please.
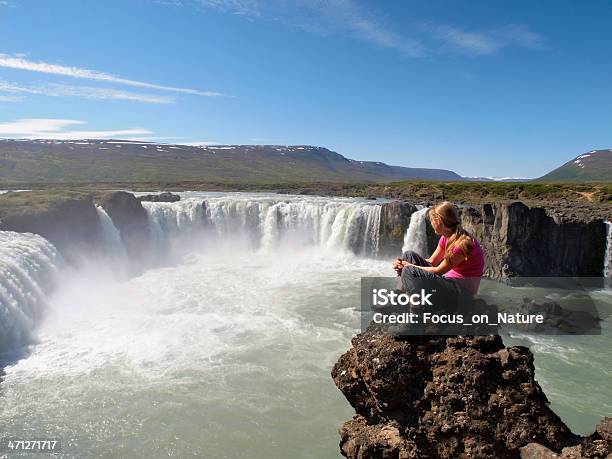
(416, 234)
(169, 218)
(607, 270)
(270, 223)
(28, 264)
(111, 239)
(173, 225)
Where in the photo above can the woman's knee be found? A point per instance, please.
(410, 256)
(409, 272)
(411, 279)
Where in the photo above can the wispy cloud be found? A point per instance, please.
(85, 92)
(520, 35)
(323, 17)
(364, 23)
(370, 28)
(470, 42)
(29, 125)
(169, 2)
(4, 98)
(52, 128)
(252, 8)
(485, 42)
(21, 63)
(105, 93)
(6, 3)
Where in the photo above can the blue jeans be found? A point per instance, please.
(447, 292)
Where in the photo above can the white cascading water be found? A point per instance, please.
(270, 224)
(607, 270)
(28, 263)
(416, 234)
(115, 251)
(174, 218)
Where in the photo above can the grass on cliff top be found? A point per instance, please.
(459, 191)
(29, 202)
(527, 191)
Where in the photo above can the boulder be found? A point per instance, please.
(161, 197)
(130, 219)
(446, 397)
(67, 219)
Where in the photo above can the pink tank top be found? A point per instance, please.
(471, 269)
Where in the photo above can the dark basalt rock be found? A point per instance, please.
(445, 397)
(522, 241)
(517, 240)
(598, 445)
(376, 441)
(162, 197)
(130, 219)
(394, 221)
(69, 220)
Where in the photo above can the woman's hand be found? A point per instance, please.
(400, 264)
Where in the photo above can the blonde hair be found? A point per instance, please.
(447, 213)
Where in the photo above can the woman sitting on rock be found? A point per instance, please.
(455, 267)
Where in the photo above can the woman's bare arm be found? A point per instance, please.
(444, 265)
(435, 257)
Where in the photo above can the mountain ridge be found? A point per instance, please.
(593, 166)
(62, 161)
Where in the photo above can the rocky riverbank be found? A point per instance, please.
(71, 221)
(574, 200)
(517, 240)
(523, 241)
(450, 397)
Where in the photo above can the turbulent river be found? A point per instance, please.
(223, 344)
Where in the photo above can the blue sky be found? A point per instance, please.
(485, 88)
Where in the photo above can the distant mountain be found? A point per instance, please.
(64, 161)
(594, 166)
